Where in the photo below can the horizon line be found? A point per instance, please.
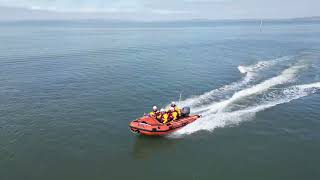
(301, 18)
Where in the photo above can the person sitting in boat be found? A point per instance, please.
(176, 108)
(154, 113)
(164, 117)
(173, 114)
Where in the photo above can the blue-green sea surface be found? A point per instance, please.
(69, 89)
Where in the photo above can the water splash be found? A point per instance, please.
(212, 121)
(284, 77)
(261, 65)
(250, 74)
(220, 114)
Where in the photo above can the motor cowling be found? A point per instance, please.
(185, 111)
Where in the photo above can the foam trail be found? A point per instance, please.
(261, 65)
(286, 76)
(250, 71)
(198, 100)
(308, 86)
(212, 121)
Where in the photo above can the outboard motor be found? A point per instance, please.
(185, 111)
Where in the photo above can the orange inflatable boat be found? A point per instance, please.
(150, 126)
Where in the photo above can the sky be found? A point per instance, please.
(153, 10)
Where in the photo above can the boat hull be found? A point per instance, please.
(149, 126)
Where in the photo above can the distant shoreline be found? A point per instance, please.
(113, 21)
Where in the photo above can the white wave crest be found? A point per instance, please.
(250, 71)
(262, 64)
(286, 76)
(212, 121)
(246, 101)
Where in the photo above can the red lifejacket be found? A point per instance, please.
(170, 116)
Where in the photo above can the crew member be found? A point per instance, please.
(176, 108)
(164, 117)
(154, 112)
(173, 114)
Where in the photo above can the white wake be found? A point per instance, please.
(212, 121)
(250, 74)
(275, 91)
